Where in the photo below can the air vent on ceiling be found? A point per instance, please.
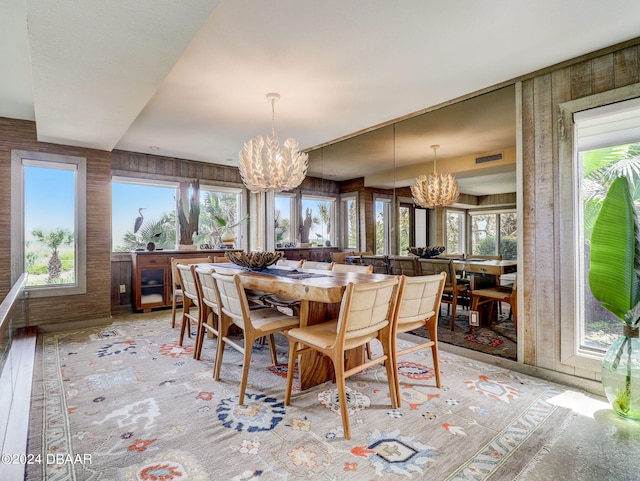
(488, 158)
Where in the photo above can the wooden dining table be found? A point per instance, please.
(484, 272)
(320, 293)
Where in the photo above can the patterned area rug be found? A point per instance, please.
(499, 339)
(126, 403)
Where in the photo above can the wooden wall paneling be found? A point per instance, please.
(546, 292)
(627, 67)
(601, 71)
(527, 278)
(581, 79)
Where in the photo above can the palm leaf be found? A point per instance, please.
(613, 274)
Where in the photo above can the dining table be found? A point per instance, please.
(485, 272)
(320, 293)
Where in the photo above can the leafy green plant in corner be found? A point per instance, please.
(615, 262)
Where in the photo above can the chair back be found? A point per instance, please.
(353, 268)
(175, 277)
(403, 265)
(325, 266)
(233, 300)
(289, 263)
(188, 282)
(429, 267)
(340, 257)
(366, 308)
(208, 289)
(220, 260)
(419, 300)
(380, 263)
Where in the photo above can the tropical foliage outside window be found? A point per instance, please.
(350, 216)
(219, 211)
(404, 230)
(49, 220)
(598, 169)
(317, 214)
(282, 221)
(454, 225)
(381, 226)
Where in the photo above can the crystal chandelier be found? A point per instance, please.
(267, 167)
(435, 190)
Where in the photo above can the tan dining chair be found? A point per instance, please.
(366, 313)
(321, 266)
(496, 295)
(453, 292)
(419, 306)
(353, 268)
(380, 263)
(209, 319)
(340, 257)
(220, 260)
(176, 288)
(403, 265)
(253, 323)
(289, 263)
(190, 300)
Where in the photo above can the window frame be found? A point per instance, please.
(463, 227)
(570, 231)
(344, 216)
(387, 222)
(20, 158)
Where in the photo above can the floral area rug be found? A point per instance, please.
(126, 403)
(499, 339)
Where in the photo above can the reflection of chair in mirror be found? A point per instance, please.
(254, 324)
(453, 292)
(380, 263)
(289, 263)
(419, 306)
(496, 295)
(352, 268)
(321, 266)
(403, 265)
(366, 313)
(176, 289)
(340, 257)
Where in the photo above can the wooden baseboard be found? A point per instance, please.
(15, 403)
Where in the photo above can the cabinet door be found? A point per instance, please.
(153, 284)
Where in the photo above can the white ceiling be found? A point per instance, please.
(190, 77)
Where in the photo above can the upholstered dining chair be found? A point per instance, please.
(380, 263)
(324, 266)
(366, 313)
(289, 263)
(353, 268)
(253, 323)
(496, 295)
(453, 292)
(176, 288)
(209, 319)
(403, 265)
(190, 300)
(419, 306)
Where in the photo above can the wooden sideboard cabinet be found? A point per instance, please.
(320, 254)
(151, 276)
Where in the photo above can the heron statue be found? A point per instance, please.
(139, 220)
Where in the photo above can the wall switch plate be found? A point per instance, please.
(474, 318)
(123, 288)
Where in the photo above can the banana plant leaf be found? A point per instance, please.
(613, 276)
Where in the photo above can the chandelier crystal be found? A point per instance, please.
(435, 190)
(267, 167)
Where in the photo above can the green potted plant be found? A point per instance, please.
(615, 283)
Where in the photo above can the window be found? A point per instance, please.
(221, 212)
(455, 231)
(494, 233)
(284, 221)
(350, 223)
(48, 222)
(405, 228)
(382, 223)
(601, 133)
(317, 218)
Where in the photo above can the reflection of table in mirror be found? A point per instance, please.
(320, 301)
(483, 272)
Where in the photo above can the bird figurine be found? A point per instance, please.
(139, 220)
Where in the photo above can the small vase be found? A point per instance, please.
(621, 374)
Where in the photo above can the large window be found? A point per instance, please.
(284, 221)
(48, 222)
(455, 231)
(382, 223)
(145, 211)
(317, 220)
(349, 212)
(494, 233)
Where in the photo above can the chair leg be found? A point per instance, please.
(338, 366)
(173, 311)
(222, 335)
(454, 302)
(272, 348)
(248, 345)
(436, 364)
(293, 346)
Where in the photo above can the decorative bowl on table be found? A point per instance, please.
(426, 252)
(254, 261)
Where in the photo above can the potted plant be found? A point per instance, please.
(615, 283)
